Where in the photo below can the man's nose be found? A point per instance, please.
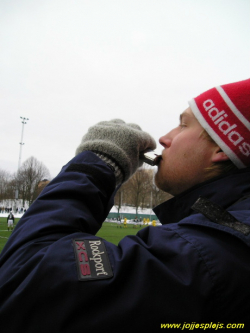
(165, 141)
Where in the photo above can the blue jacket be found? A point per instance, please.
(56, 276)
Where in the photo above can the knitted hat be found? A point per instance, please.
(224, 112)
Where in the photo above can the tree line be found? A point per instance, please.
(26, 183)
(139, 191)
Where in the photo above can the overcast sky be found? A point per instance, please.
(68, 64)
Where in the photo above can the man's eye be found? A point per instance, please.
(182, 125)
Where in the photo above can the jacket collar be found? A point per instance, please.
(224, 191)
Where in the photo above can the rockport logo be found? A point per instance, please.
(219, 119)
(92, 259)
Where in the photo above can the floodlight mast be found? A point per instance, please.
(24, 121)
(21, 143)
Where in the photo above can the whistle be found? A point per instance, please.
(150, 158)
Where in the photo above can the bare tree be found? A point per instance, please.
(141, 191)
(5, 192)
(29, 176)
(138, 189)
(118, 200)
(145, 195)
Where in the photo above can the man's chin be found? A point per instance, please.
(163, 184)
(158, 182)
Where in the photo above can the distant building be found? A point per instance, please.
(41, 185)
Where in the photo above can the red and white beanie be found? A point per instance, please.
(224, 112)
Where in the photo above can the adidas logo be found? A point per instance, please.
(219, 119)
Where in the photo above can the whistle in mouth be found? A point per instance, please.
(150, 158)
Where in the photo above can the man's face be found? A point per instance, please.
(185, 156)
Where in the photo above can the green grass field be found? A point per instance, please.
(4, 233)
(109, 231)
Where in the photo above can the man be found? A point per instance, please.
(192, 271)
(10, 221)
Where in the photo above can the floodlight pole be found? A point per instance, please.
(21, 143)
(24, 121)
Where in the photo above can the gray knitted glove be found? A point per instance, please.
(118, 144)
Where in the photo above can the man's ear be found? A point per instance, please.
(219, 155)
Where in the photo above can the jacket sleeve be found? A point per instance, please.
(77, 200)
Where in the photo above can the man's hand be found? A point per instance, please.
(118, 143)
